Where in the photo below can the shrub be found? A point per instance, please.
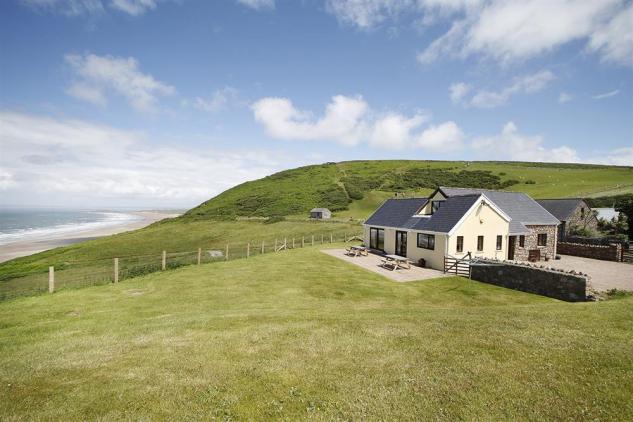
(274, 219)
(530, 182)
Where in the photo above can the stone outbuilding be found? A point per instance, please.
(573, 213)
(320, 213)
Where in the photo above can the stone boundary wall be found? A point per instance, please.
(570, 287)
(611, 252)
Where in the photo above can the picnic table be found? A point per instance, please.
(355, 250)
(395, 262)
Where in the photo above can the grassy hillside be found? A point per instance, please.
(259, 339)
(355, 188)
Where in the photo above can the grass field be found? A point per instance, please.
(300, 334)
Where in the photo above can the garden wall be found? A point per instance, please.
(611, 252)
(550, 283)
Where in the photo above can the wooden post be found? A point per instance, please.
(275, 245)
(312, 240)
(293, 243)
(302, 242)
(51, 279)
(263, 247)
(199, 255)
(321, 238)
(285, 243)
(331, 238)
(227, 252)
(248, 249)
(164, 266)
(116, 270)
(345, 237)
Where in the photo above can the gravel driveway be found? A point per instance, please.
(605, 275)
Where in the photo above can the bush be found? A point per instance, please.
(530, 182)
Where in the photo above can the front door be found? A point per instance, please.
(511, 244)
(401, 243)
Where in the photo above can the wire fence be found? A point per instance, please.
(78, 274)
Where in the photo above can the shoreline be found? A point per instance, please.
(29, 247)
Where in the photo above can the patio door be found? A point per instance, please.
(401, 243)
(377, 239)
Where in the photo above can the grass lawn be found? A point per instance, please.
(300, 334)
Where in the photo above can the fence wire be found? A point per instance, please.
(78, 274)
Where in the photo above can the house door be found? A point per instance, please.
(511, 244)
(401, 243)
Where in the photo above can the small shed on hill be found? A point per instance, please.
(320, 213)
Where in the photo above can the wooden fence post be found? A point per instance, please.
(263, 247)
(248, 249)
(51, 279)
(346, 237)
(302, 241)
(227, 252)
(285, 243)
(116, 270)
(199, 255)
(331, 238)
(321, 238)
(164, 266)
(293, 243)
(275, 245)
(312, 240)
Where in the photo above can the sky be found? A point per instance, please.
(166, 103)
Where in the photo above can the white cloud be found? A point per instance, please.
(342, 121)
(614, 39)
(73, 159)
(350, 121)
(394, 130)
(133, 7)
(221, 99)
(66, 7)
(564, 98)
(616, 157)
(458, 91)
(445, 137)
(504, 30)
(489, 99)
(98, 74)
(258, 4)
(91, 7)
(512, 145)
(606, 95)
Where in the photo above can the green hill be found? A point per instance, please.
(352, 189)
(262, 340)
(355, 188)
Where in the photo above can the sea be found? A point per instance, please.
(42, 224)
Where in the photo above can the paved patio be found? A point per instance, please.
(372, 263)
(605, 275)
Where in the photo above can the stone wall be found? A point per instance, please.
(531, 242)
(581, 220)
(545, 282)
(606, 253)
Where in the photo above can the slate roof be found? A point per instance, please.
(560, 208)
(402, 213)
(522, 209)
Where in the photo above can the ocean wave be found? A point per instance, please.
(109, 219)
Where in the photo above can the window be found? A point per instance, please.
(480, 243)
(522, 241)
(435, 205)
(460, 243)
(426, 241)
(377, 239)
(499, 242)
(542, 239)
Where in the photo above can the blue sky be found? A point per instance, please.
(166, 103)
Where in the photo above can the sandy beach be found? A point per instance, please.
(24, 248)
